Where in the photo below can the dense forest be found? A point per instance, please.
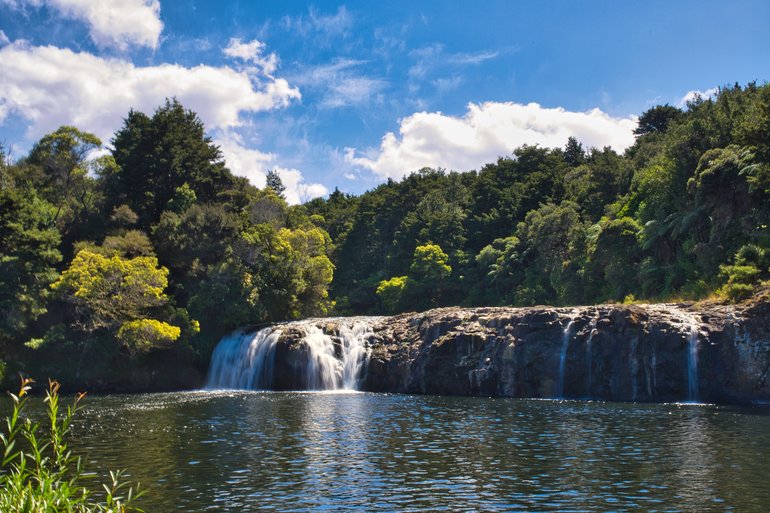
(123, 271)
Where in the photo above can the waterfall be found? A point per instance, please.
(244, 361)
(634, 368)
(589, 357)
(692, 364)
(563, 357)
(355, 353)
(316, 360)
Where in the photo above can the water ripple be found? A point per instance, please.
(252, 451)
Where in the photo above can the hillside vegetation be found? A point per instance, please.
(123, 271)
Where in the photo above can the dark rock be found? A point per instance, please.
(626, 353)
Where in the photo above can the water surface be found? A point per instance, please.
(269, 451)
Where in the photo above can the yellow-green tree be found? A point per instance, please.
(118, 295)
(301, 271)
(390, 292)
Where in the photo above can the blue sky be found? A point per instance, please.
(349, 94)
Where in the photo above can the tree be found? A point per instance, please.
(28, 258)
(657, 120)
(299, 273)
(275, 184)
(427, 276)
(429, 264)
(574, 155)
(143, 335)
(113, 293)
(190, 242)
(553, 237)
(501, 270)
(391, 293)
(61, 156)
(158, 155)
(614, 259)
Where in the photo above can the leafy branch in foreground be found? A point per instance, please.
(44, 476)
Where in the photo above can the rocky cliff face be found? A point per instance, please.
(625, 353)
(712, 353)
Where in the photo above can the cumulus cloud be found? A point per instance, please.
(297, 191)
(254, 164)
(113, 23)
(693, 95)
(242, 161)
(252, 52)
(51, 86)
(484, 133)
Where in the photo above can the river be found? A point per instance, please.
(272, 451)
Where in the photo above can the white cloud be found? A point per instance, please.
(3, 39)
(254, 164)
(342, 85)
(243, 161)
(351, 91)
(252, 52)
(473, 58)
(693, 95)
(484, 133)
(336, 24)
(447, 84)
(113, 23)
(51, 86)
(297, 191)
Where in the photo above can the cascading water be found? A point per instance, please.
(692, 365)
(589, 357)
(354, 352)
(563, 357)
(248, 361)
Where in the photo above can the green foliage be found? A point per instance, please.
(156, 156)
(184, 198)
(740, 281)
(554, 237)
(132, 243)
(657, 119)
(41, 475)
(574, 154)
(143, 335)
(107, 292)
(429, 264)
(684, 212)
(752, 264)
(274, 183)
(391, 292)
(300, 272)
(28, 256)
(614, 256)
(60, 157)
(122, 216)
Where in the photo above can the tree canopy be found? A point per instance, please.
(151, 253)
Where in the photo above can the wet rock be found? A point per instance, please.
(634, 353)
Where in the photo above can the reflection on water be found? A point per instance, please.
(252, 451)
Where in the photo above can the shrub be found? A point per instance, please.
(144, 335)
(41, 475)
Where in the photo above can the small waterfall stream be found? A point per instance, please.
(248, 360)
(589, 357)
(563, 358)
(692, 365)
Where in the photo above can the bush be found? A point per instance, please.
(41, 475)
(741, 280)
(144, 335)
